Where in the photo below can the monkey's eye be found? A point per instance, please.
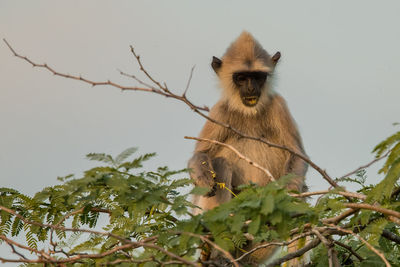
(241, 78)
(261, 78)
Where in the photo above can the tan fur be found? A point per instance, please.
(269, 119)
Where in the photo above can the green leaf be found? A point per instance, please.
(393, 156)
(238, 222)
(254, 225)
(384, 145)
(275, 217)
(100, 157)
(267, 205)
(125, 154)
(385, 188)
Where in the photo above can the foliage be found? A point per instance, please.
(122, 205)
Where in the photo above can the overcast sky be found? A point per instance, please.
(339, 73)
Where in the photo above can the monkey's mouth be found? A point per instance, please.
(250, 101)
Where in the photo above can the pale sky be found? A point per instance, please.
(339, 73)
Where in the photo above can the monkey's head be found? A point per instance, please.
(244, 72)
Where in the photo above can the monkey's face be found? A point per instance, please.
(249, 85)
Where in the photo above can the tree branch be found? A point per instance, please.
(349, 248)
(163, 90)
(323, 192)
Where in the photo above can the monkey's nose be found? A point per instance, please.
(250, 89)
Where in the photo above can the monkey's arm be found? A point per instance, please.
(292, 139)
(297, 167)
(200, 165)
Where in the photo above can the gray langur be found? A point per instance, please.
(249, 105)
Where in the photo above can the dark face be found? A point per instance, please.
(249, 84)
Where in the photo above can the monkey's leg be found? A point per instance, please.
(223, 175)
(298, 167)
(223, 171)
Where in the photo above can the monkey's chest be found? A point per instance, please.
(274, 160)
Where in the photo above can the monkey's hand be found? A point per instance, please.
(202, 172)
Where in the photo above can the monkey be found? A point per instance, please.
(250, 105)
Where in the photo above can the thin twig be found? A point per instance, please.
(189, 80)
(365, 166)
(349, 248)
(323, 192)
(164, 88)
(15, 251)
(136, 79)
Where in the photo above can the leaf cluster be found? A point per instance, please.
(120, 198)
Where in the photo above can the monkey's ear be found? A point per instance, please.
(216, 64)
(276, 57)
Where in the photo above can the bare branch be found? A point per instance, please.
(136, 79)
(166, 92)
(391, 236)
(323, 192)
(342, 216)
(349, 248)
(374, 208)
(240, 155)
(162, 91)
(137, 57)
(189, 80)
